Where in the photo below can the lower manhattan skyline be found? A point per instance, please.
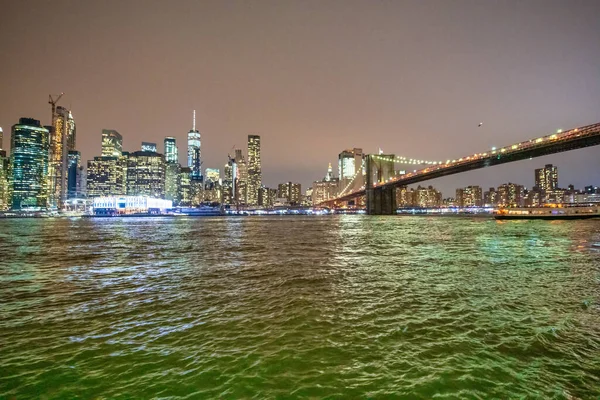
(383, 99)
(300, 199)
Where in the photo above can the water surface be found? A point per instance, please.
(299, 307)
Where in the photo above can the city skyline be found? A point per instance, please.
(381, 80)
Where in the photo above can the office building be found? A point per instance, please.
(62, 140)
(149, 146)
(511, 195)
(185, 187)
(229, 182)
(471, 196)
(241, 182)
(29, 144)
(112, 143)
(106, 176)
(546, 179)
(254, 170)
(172, 177)
(325, 189)
(75, 176)
(194, 152)
(351, 170)
(267, 197)
(146, 174)
(290, 192)
(4, 181)
(213, 175)
(171, 153)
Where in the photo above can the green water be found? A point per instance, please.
(299, 307)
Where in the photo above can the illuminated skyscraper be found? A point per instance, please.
(254, 170)
(185, 188)
(148, 146)
(29, 164)
(241, 178)
(105, 177)
(213, 175)
(172, 171)
(112, 143)
(194, 152)
(75, 178)
(171, 154)
(146, 174)
(4, 161)
(350, 169)
(62, 140)
(546, 179)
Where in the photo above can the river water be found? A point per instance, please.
(299, 307)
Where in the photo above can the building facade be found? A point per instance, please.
(106, 176)
(171, 152)
(29, 164)
(350, 170)
(62, 140)
(112, 143)
(149, 146)
(470, 196)
(194, 150)
(146, 174)
(254, 170)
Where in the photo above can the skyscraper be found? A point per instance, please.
(194, 152)
(4, 203)
(148, 146)
(62, 140)
(241, 178)
(254, 170)
(546, 179)
(105, 177)
(112, 143)
(172, 179)
(29, 164)
(146, 174)
(171, 154)
(350, 169)
(74, 175)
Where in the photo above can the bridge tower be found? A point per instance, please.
(380, 200)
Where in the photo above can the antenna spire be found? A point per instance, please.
(194, 124)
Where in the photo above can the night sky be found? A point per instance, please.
(313, 77)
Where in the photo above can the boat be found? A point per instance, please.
(551, 212)
(201, 211)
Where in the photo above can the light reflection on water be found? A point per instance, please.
(344, 306)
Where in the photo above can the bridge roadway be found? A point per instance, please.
(381, 197)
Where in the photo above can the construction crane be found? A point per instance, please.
(54, 102)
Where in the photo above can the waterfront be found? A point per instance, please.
(307, 307)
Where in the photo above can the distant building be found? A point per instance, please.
(115, 205)
(172, 181)
(325, 189)
(112, 143)
(106, 176)
(150, 147)
(194, 150)
(241, 178)
(427, 197)
(75, 176)
(471, 196)
(350, 170)
(267, 197)
(533, 197)
(171, 152)
(511, 195)
(547, 178)
(213, 175)
(146, 174)
(185, 186)
(4, 181)
(62, 140)
(1, 138)
(254, 170)
(490, 198)
(29, 164)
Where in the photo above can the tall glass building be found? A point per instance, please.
(29, 164)
(254, 181)
(62, 140)
(171, 153)
(194, 152)
(112, 143)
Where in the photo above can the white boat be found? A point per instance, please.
(550, 212)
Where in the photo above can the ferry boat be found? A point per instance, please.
(202, 211)
(551, 212)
